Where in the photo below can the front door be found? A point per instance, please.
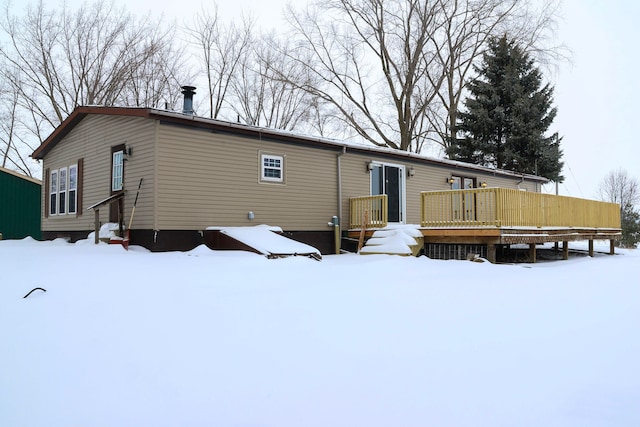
(389, 180)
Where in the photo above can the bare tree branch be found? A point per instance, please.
(223, 48)
(55, 60)
(618, 187)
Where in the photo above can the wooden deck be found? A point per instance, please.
(498, 217)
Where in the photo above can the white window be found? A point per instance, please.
(116, 174)
(53, 193)
(62, 191)
(272, 168)
(73, 189)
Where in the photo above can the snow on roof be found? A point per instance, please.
(19, 175)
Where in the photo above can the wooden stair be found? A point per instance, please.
(404, 240)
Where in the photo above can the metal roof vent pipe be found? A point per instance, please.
(188, 92)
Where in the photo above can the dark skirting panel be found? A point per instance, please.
(166, 240)
(186, 240)
(321, 240)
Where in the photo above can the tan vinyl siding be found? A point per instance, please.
(209, 179)
(92, 140)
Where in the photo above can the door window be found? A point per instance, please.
(463, 203)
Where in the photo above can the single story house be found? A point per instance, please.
(198, 172)
(20, 201)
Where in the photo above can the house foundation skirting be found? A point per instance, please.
(186, 240)
(71, 236)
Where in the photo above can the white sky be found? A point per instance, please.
(594, 94)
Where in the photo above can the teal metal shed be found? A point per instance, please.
(19, 205)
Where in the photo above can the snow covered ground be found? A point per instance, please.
(208, 338)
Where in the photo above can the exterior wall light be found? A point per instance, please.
(369, 166)
(127, 152)
(251, 216)
(450, 180)
(411, 171)
(484, 184)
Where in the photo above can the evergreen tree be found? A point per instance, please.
(630, 219)
(507, 115)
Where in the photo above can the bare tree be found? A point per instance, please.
(618, 187)
(395, 70)
(156, 81)
(56, 60)
(466, 27)
(13, 145)
(372, 58)
(223, 47)
(267, 85)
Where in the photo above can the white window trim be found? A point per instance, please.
(263, 168)
(120, 175)
(62, 189)
(67, 190)
(53, 205)
(75, 190)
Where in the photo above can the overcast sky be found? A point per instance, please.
(594, 94)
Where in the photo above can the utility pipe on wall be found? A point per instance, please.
(339, 227)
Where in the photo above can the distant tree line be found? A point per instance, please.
(393, 73)
(621, 188)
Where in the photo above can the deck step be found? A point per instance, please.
(405, 240)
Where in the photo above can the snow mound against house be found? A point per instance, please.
(108, 232)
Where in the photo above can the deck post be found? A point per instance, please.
(565, 250)
(96, 225)
(491, 253)
(612, 247)
(532, 253)
(591, 248)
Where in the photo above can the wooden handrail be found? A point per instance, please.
(111, 198)
(96, 213)
(373, 208)
(504, 207)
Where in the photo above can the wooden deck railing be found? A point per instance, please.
(503, 207)
(369, 211)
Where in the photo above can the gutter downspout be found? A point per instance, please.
(344, 151)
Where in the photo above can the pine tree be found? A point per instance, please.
(507, 115)
(630, 219)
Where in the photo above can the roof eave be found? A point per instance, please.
(80, 112)
(75, 117)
